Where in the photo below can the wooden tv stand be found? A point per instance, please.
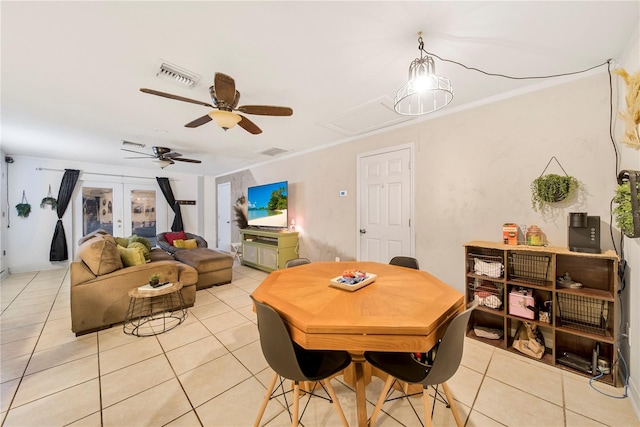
(268, 250)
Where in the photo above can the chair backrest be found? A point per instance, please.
(296, 261)
(405, 261)
(449, 353)
(277, 345)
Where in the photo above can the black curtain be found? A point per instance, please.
(175, 206)
(58, 250)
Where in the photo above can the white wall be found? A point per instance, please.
(29, 239)
(630, 159)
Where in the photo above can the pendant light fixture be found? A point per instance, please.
(425, 92)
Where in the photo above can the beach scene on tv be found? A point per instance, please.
(267, 205)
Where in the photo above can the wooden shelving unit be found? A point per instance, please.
(268, 250)
(579, 319)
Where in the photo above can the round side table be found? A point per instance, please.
(154, 311)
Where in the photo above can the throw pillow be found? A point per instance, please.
(122, 241)
(143, 248)
(190, 244)
(100, 255)
(131, 256)
(185, 244)
(140, 239)
(178, 235)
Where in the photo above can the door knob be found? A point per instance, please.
(363, 231)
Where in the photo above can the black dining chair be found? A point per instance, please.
(405, 367)
(292, 362)
(405, 261)
(296, 262)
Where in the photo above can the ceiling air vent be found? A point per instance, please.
(132, 144)
(273, 151)
(176, 74)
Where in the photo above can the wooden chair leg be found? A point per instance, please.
(427, 406)
(265, 401)
(296, 404)
(383, 396)
(336, 403)
(452, 404)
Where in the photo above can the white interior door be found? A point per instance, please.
(385, 204)
(224, 216)
(121, 209)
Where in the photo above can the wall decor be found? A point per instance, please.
(49, 200)
(631, 117)
(23, 208)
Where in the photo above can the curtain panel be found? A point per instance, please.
(165, 187)
(59, 250)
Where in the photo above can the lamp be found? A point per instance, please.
(163, 163)
(225, 119)
(425, 92)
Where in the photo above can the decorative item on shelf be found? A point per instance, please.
(627, 211)
(529, 340)
(631, 117)
(23, 208)
(552, 188)
(534, 236)
(49, 200)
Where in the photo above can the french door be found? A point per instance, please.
(120, 209)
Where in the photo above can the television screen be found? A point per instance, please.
(267, 205)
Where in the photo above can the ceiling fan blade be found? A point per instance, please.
(225, 88)
(265, 110)
(249, 126)
(182, 159)
(172, 155)
(198, 122)
(176, 97)
(138, 152)
(136, 157)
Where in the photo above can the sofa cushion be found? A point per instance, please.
(98, 232)
(101, 255)
(145, 251)
(185, 244)
(131, 256)
(178, 235)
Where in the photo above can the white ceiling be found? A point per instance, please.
(71, 71)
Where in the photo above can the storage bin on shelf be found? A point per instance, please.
(519, 301)
(528, 268)
(487, 293)
(583, 313)
(486, 265)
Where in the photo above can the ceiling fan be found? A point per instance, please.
(163, 155)
(225, 98)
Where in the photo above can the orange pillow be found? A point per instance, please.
(178, 235)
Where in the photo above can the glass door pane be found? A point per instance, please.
(97, 209)
(143, 214)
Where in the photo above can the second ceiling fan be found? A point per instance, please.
(225, 99)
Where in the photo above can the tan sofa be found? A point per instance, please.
(100, 283)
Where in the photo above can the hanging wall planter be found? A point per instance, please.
(627, 211)
(23, 208)
(51, 201)
(552, 188)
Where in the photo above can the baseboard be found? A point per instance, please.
(634, 397)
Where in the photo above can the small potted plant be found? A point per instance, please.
(23, 208)
(49, 200)
(551, 188)
(154, 280)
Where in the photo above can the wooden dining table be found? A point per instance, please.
(403, 310)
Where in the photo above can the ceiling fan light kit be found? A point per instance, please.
(225, 119)
(425, 91)
(163, 163)
(224, 101)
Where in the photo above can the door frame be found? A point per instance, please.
(359, 157)
(221, 206)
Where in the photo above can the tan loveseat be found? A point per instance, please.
(100, 283)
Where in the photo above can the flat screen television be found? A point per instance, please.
(267, 205)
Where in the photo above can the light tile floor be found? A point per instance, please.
(210, 371)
